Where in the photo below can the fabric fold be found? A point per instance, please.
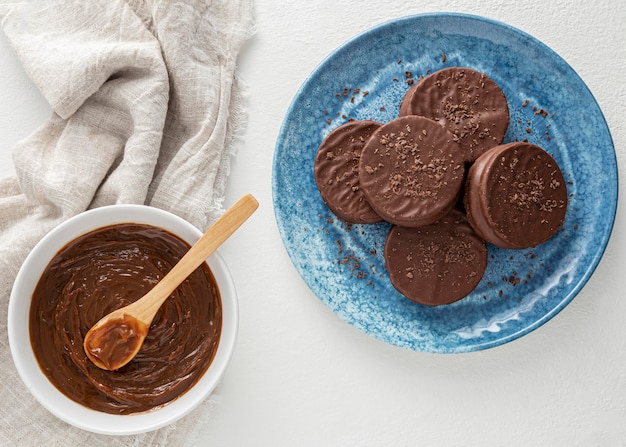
(146, 103)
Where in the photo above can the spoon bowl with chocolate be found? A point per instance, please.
(117, 337)
(89, 266)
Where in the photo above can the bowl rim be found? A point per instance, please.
(26, 364)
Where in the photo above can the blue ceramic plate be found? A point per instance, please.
(550, 106)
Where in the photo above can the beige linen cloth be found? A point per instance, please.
(145, 105)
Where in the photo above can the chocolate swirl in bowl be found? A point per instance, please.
(106, 269)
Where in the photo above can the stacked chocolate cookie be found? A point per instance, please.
(445, 146)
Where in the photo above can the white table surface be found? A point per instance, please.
(300, 376)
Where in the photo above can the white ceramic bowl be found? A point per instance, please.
(24, 358)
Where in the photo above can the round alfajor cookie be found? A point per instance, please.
(466, 102)
(411, 171)
(336, 171)
(516, 196)
(437, 264)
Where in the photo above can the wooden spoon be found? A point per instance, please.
(116, 338)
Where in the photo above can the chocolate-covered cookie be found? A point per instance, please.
(336, 171)
(437, 264)
(516, 196)
(466, 102)
(411, 171)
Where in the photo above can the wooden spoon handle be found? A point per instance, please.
(222, 229)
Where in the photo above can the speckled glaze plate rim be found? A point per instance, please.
(342, 264)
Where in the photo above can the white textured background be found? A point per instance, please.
(302, 377)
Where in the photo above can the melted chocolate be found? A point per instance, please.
(110, 344)
(411, 171)
(466, 102)
(103, 271)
